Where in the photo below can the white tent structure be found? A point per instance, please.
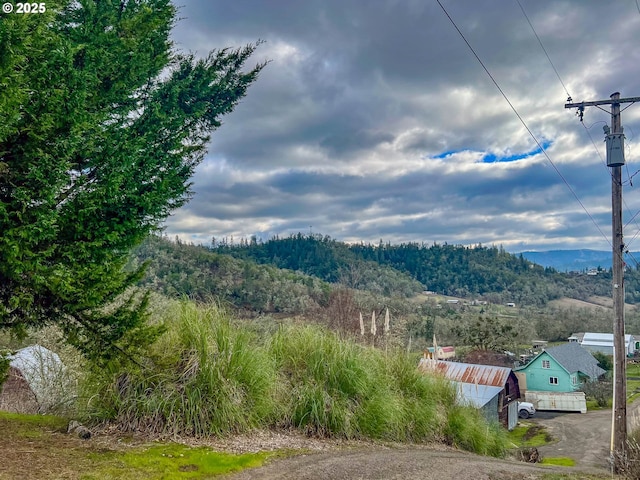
(37, 381)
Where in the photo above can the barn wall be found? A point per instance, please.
(490, 410)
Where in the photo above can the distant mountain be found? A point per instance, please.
(575, 260)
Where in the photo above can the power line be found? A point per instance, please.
(581, 118)
(618, 446)
(544, 50)
(542, 149)
(604, 162)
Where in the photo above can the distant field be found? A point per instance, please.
(594, 302)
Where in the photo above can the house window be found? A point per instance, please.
(546, 364)
(553, 380)
(574, 380)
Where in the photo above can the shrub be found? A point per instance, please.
(467, 429)
(599, 390)
(322, 380)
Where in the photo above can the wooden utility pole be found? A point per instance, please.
(615, 159)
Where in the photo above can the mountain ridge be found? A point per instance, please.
(575, 260)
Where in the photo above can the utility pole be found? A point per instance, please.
(615, 159)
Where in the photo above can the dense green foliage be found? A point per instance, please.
(604, 361)
(102, 125)
(327, 259)
(202, 377)
(178, 269)
(455, 270)
(209, 375)
(487, 333)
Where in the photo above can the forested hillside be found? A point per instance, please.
(294, 274)
(178, 269)
(329, 260)
(331, 282)
(455, 270)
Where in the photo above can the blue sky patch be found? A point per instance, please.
(492, 158)
(447, 154)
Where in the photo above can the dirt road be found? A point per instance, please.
(378, 463)
(582, 437)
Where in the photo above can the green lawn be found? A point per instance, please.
(528, 434)
(169, 461)
(41, 442)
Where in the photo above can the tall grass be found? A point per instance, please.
(339, 388)
(207, 375)
(202, 377)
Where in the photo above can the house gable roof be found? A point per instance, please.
(573, 358)
(603, 339)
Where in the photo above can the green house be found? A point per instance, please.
(561, 369)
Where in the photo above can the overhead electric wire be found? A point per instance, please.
(623, 201)
(585, 127)
(543, 49)
(544, 152)
(633, 217)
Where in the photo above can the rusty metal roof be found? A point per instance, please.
(467, 373)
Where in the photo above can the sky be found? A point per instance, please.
(374, 120)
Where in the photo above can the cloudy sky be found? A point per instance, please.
(374, 120)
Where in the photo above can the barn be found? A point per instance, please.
(493, 390)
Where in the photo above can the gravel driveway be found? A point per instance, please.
(582, 437)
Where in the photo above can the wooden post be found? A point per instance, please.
(619, 351)
(619, 411)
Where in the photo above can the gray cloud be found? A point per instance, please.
(346, 130)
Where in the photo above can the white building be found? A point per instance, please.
(603, 342)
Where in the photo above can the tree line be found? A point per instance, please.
(454, 270)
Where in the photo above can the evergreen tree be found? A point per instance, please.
(101, 126)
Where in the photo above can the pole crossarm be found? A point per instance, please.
(602, 102)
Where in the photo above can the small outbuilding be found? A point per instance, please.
(493, 390)
(441, 353)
